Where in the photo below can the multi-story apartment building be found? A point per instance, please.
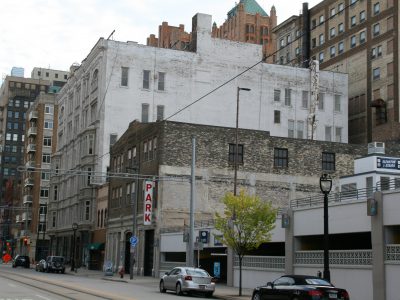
(40, 141)
(57, 77)
(359, 38)
(17, 94)
(276, 169)
(97, 103)
(246, 22)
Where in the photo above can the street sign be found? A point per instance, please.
(133, 241)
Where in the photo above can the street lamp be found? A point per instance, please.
(74, 228)
(236, 137)
(325, 184)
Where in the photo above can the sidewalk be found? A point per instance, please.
(222, 291)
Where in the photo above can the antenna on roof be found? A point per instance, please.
(111, 34)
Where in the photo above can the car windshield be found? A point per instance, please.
(196, 272)
(316, 281)
(58, 259)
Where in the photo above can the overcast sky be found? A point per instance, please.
(55, 33)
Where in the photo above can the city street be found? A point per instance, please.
(27, 284)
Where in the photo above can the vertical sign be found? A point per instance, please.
(148, 202)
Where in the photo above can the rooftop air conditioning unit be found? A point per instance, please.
(376, 148)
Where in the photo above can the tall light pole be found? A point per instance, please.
(236, 137)
(74, 228)
(325, 184)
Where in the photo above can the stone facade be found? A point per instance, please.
(162, 152)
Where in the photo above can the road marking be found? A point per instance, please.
(45, 298)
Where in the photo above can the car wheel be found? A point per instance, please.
(256, 296)
(162, 288)
(209, 294)
(178, 289)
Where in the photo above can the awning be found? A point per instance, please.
(95, 246)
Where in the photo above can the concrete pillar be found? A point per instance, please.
(289, 244)
(229, 267)
(378, 250)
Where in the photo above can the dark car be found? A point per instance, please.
(187, 279)
(55, 264)
(299, 287)
(41, 266)
(21, 261)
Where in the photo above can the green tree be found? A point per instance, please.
(247, 222)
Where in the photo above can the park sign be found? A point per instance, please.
(148, 202)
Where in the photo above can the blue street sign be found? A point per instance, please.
(133, 241)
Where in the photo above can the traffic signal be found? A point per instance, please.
(25, 241)
(8, 244)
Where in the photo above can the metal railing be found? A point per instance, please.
(336, 257)
(261, 262)
(393, 252)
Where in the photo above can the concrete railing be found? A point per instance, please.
(393, 252)
(336, 257)
(261, 262)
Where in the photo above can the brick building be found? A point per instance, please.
(246, 22)
(275, 168)
(360, 38)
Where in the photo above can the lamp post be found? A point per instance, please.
(236, 137)
(325, 184)
(74, 228)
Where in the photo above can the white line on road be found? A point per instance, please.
(45, 298)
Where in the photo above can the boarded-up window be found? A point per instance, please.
(390, 23)
(390, 69)
(389, 47)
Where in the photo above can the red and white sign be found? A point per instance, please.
(148, 202)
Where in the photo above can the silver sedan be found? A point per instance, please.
(187, 279)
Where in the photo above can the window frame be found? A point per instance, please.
(281, 157)
(328, 161)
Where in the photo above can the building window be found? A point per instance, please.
(352, 2)
(146, 79)
(304, 99)
(160, 112)
(281, 43)
(333, 12)
(376, 73)
(314, 43)
(321, 19)
(328, 133)
(376, 52)
(389, 47)
(340, 47)
(332, 32)
(277, 117)
(390, 69)
(53, 219)
(145, 113)
(288, 98)
(46, 158)
(328, 161)
(376, 29)
(377, 8)
(338, 134)
(277, 95)
(353, 21)
(288, 39)
(340, 7)
(321, 57)
(313, 23)
(49, 109)
(362, 37)
(161, 81)
(390, 23)
(281, 158)
(290, 128)
(124, 76)
(48, 124)
(300, 129)
(45, 175)
(338, 103)
(321, 39)
(87, 210)
(341, 28)
(333, 51)
(47, 141)
(362, 16)
(353, 41)
(232, 153)
(44, 193)
(321, 101)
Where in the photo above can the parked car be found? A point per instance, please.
(55, 264)
(21, 261)
(299, 287)
(41, 265)
(187, 279)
